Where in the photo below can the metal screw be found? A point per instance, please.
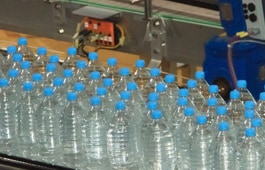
(61, 31)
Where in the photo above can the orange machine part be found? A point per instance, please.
(104, 28)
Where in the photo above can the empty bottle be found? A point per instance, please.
(83, 100)
(249, 154)
(260, 133)
(224, 149)
(201, 152)
(70, 61)
(25, 74)
(93, 64)
(112, 70)
(210, 110)
(140, 75)
(245, 94)
(82, 74)
(17, 58)
(71, 138)
(260, 107)
(94, 82)
(122, 142)
(39, 64)
(171, 89)
(121, 84)
(56, 60)
(47, 116)
(194, 94)
(22, 48)
(69, 79)
(158, 144)
(7, 61)
(202, 84)
(214, 93)
(96, 142)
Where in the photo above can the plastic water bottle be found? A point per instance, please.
(146, 119)
(112, 70)
(95, 81)
(121, 84)
(59, 92)
(51, 73)
(8, 60)
(38, 87)
(17, 58)
(224, 149)
(194, 94)
(69, 79)
(178, 113)
(202, 84)
(122, 142)
(82, 74)
(250, 105)
(112, 94)
(183, 137)
(96, 142)
(136, 95)
(214, 93)
(26, 73)
(158, 144)
(235, 108)
(260, 107)
(184, 93)
(140, 75)
(245, 123)
(39, 65)
(83, 99)
(8, 120)
(23, 49)
(47, 116)
(260, 133)
(171, 89)
(201, 152)
(250, 153)
(210, 110)
(56, 60)
(14, 87)
(153, 96)
(93, 64)
(27, 125)
(245, 95)
(163, 101)
(70, 61)
(72, 141)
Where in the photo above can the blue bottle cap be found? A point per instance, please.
(71, 96)
(160, 87)
(95, 75)
(249, 114)
(57, 81)
(234, 94)
(107, 82)
(242, 84)
(50, 67)
(191, 83)
(3, 82)
(93, 56)
(41, 51)
(71, 51)
(151, 105)
(170, 78)
(250, 132)
(79, 86)
(125, 95)
(221, 110)
(95, 101)
(183, 92)
(81, 64)
(36, 77)
(249, 104)
(182, 101)
(101, 91)
(189, 111)
(153, 96)
(256, 122)
(154, 72)
(199, 75)
(140, 63)
(112, 61)
(124, 71)
(11, 49)
(211, 101)
(17, 57)
(13, 73)
(68, 73)
(27, 86)
(223, 126)
(120, 105)
(213, 89)
(156, 114)
(132, 86)
(54, 59)
(262, 96)
(25, 65)
(201, 120)
(48, 91)
(22, 41)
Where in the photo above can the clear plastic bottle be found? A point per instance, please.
(69, 80)
(22, 48)
(37, 79)
(8, 120)
(51, 73)
(56, 60)
(164, 101)
(245, 94)
(122, 142)
(59, 91)
(47, 116)
(171, 89)
(27, 125)
(112, 94)
(83, 99)
(7, 61)
(201, 152)
(140, 75)
(17, 59)
(96, 142)
(224, 149)
(245, 123)
(260, 107)
(136, 95)
(178, 113)
(82, 74)
(158, 144)
(235, 108)
(14, 87)
(202, 84)
(214, 93)
(39, 64)
(260, 133)
(249, 154)
(93, 64)
(195, 96)
(250, 105)
(183, 138)
(146, 119)
(121, 84)
(210, 110)
(71, 138)
(112, 70)
(94, 82)
(70, 61)
(26, 73)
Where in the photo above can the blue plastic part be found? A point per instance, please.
(169, 78)
(189, 111)
(182, 101)
(156, 114)
(201, 120)
(101, 91)
(199, 75)
(27, 86)
(3, 82)
(11, 49)
(191, 83)
(153, 96)
(183, 92)
(93, 56)
(68, 73)
(132, 86)
(154, 72)
(71, 96)
(71, 51)
(151, 105)
(221, 110)
(48, 91)
(161, 87)
(95, 100)
(25, 65)
(256, 122)
(17, 57)
(262, 96)
(57, 81)
(41, 51)
(112, 61)
(249, 114)
(81, 64)
(125, 95)
(22, 41)
(120, 105)
(140, 63)
(37, 77)
(223, 126)
(50, 67)
(124, 71)
(107, 82)
(250, 132)
(13, 73)
(213, 89)
(54, 59)
(79, 86)
(94, 75)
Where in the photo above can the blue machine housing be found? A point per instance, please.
(248, 61)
